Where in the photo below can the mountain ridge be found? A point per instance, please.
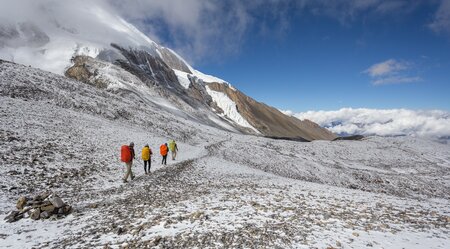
(153, 65)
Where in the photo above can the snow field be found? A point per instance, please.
(224, 189)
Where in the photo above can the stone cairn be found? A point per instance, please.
(42, 206)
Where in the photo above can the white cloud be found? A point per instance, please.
(391, 72)
(196, 29)
(388, 122)
(287, 112)
(396, 80)
(386, 67)
(441, 21)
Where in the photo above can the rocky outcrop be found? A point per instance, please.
(270, 121)
(147, 67)
(173, 60)
(41, 206)
(82, 70)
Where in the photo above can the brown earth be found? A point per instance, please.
(270, 121)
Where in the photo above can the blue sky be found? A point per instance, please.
(312, 55)
(321, 63)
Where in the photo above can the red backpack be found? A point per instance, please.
(125, 154)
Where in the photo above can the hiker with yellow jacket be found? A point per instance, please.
(147, 158)
(173, 148)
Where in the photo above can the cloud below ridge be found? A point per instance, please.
(383, 122)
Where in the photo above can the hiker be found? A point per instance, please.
(173, 148)
(127, 156)
(147, 158)
(163, 150)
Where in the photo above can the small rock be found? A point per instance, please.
(42, 196)
(93, 205)
(66, 209)
(50, 208)
(338, 243)
(197, 215)
(35, 214)
(21, 202)
(44, 215)
(355, 234)
(120, 231)
(157, 240)
(13, 216)
(57, 202)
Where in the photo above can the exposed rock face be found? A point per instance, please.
(84, 71)
(173, 61)
(147, 67)
(270, 121)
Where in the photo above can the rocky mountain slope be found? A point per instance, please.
(270, 121)
(87, 53)
(224, 190)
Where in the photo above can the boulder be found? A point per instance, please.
(50, 208)
(21, 202)
(35, 214)
(65, 210)
(44, 215)
(57, 202)
(42, 196)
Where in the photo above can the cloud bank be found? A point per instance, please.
(391, 122)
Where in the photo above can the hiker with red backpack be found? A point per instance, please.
(147, 158)
(163, 150)
(127, 156)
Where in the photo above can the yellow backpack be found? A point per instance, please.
(172, 145)
(146, 152)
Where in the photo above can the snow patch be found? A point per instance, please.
(207, 78)
(229, 108)
(182, 78)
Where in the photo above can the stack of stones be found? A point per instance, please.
(42, 206)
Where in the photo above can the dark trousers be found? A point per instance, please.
(149, 162)
(164, 160)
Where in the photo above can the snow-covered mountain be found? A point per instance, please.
(110, 53)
